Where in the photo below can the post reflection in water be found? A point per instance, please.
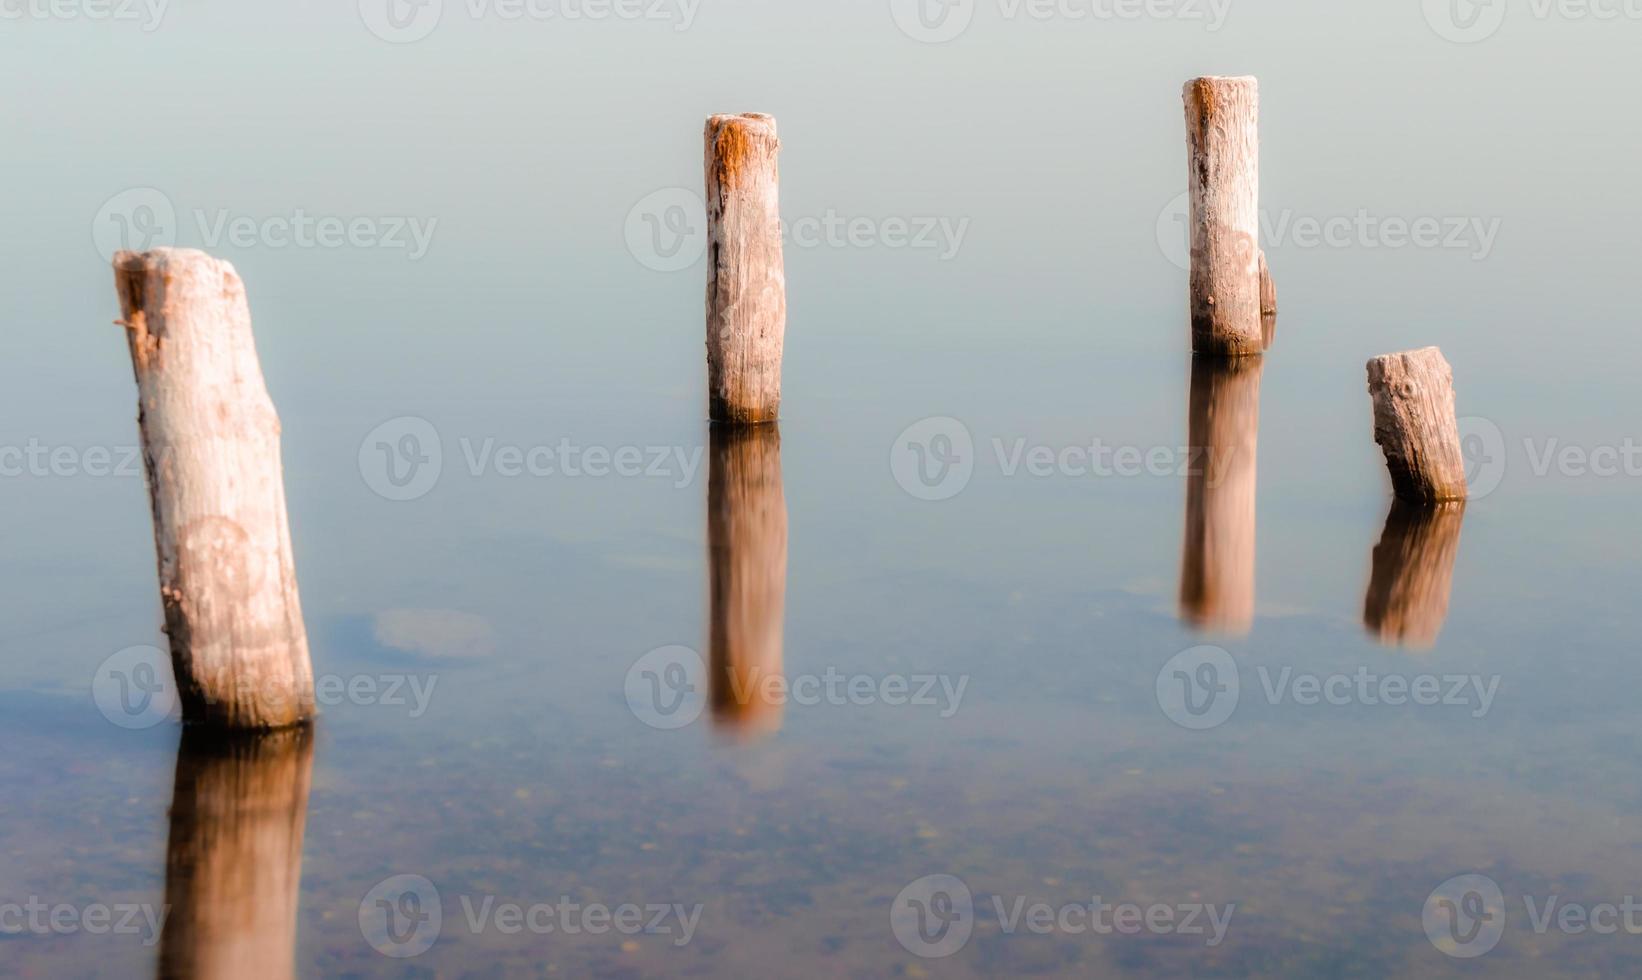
(1217, 569)
(1413, 574)
(747, 544)
(233, 866)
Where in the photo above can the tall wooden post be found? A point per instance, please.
(1217, 570)
(1413, 574)
(1223, 137)
(211, 444)
(1415, 424)
(747, 543)
(233, 867)
(746, 275)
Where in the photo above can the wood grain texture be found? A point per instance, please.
(1217, 570)
(1223, 140)
(746, 271)
(211, 445)
(1268, 289)
(233, 866)
(1415, 425)
(747, 545)
(1413, 574)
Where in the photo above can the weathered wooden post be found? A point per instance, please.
(233, 866)
(1415, 425)
(1413, 574)
(1217, 570)
(211, 446)
(747, 544)
(746, 277)
(1223, 136)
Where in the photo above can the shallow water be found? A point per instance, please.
(496, 721)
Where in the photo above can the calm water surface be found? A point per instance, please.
(511, 738)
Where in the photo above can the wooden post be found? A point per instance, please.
(1217, 570)
(1223, 136)
(211, 447)
(1414, 424)
(746, 276)
(747, 544)
(1413, 574)
(233, 865)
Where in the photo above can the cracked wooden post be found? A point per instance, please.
(1415, 425)
(746, 277)
(211, 447)
(1223, 136)
(747, 550)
